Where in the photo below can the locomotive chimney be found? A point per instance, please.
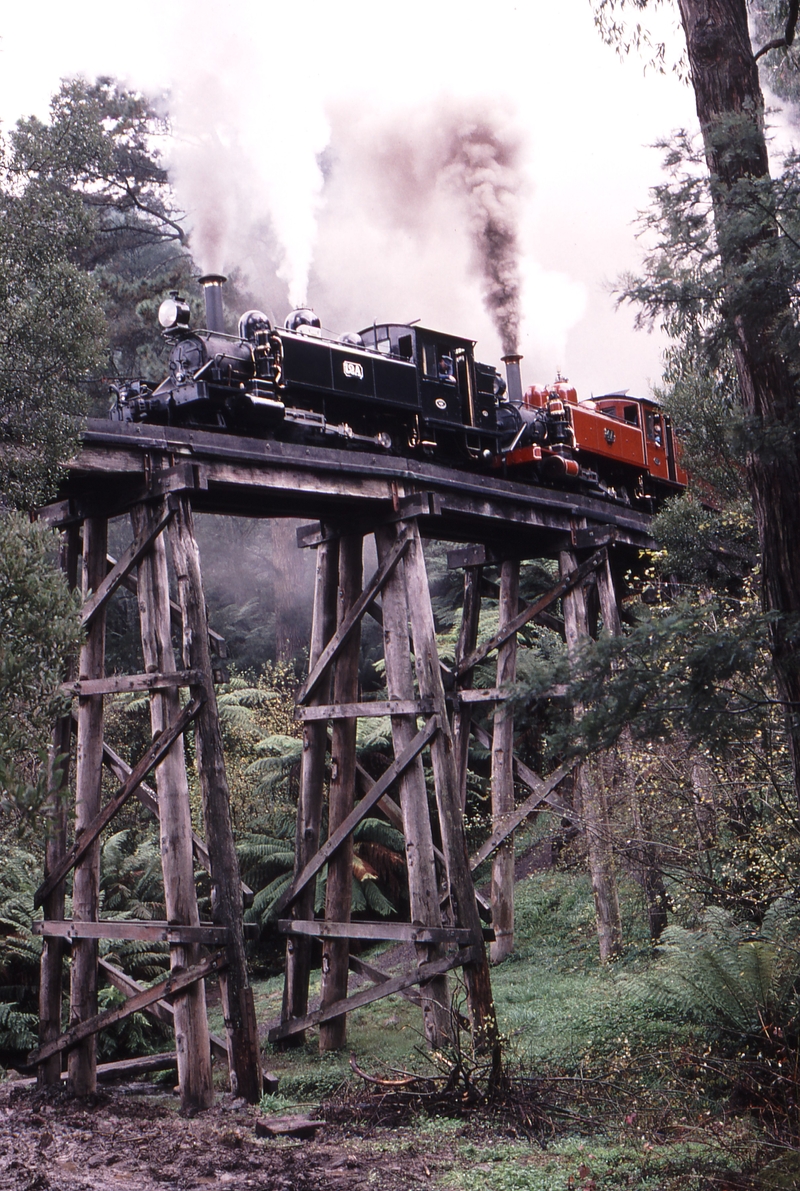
(212, 289)
(513, 378)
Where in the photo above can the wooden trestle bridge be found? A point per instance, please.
(157, 477)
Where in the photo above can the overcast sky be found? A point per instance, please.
(285, 80)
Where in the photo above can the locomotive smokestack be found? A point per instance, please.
(513, 378)
(212, 289)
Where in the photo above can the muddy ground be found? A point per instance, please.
(139, 1142)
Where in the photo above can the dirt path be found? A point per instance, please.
(139, 1142)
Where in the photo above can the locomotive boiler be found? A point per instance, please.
(403, 389)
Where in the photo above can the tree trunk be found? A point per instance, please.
(730, 107)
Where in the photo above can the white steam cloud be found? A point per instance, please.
(245, 164)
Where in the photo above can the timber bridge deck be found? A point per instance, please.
(264, 478)
(161, 476)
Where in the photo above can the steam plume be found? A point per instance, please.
(482, 165)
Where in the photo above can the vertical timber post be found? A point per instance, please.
(312, 780)
(226, 889)
(454, 841)
(338, 901)
(467, 640)
(175, 823)
(53, 949)
(420, 862)
(590, 788)
(503, 772)
(82, 1062)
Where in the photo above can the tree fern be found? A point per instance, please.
(732, 977)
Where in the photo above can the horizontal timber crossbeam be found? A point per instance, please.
(133, 929)
(158, 748)
(401, 932)
(116, 684)
(177, 980)
(396, 984)
(359, 812)
(570, 580)
(352, 711)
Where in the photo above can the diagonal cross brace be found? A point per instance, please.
(570, 580)
(395, 984)
(541, 793)
(376, 585)
(120, 571)
(359, 812)
(158, 747)
(180, 978)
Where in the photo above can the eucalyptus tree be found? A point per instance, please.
(738, 285)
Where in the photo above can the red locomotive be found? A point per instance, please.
(621, 444)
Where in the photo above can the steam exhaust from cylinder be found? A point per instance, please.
(513, 378)
(212, 284)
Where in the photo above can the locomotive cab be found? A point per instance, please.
(456, 393)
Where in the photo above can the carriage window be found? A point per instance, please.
(404, 347)
(384, 346)
(653, 426)
(631, 413)
(430, 359)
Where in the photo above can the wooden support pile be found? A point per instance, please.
(443, 941)
(180, 997)
(505, 767)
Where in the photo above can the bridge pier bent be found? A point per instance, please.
(159, 476)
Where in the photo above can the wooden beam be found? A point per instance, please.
(341, 795)
(521, 813)
(52, 966)
(376, 585)
(423, 879)
(359, 812)
(424, 974)
(116, 684)
(467, 640)
(161, 1010)
(120, 571)
(159, 747)
(362, 968)
(486, 1037)
(129, 928)
(312, 782)
(401, 932)
(502, 778)
(88, 800)
(372, 709)
(236, 991)
(564, 585)
(165, 988)
(216, 641)
(555, 623)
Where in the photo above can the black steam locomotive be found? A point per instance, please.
(397, 388)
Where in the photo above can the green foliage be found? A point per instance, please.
(735, 978)
(39, 628)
